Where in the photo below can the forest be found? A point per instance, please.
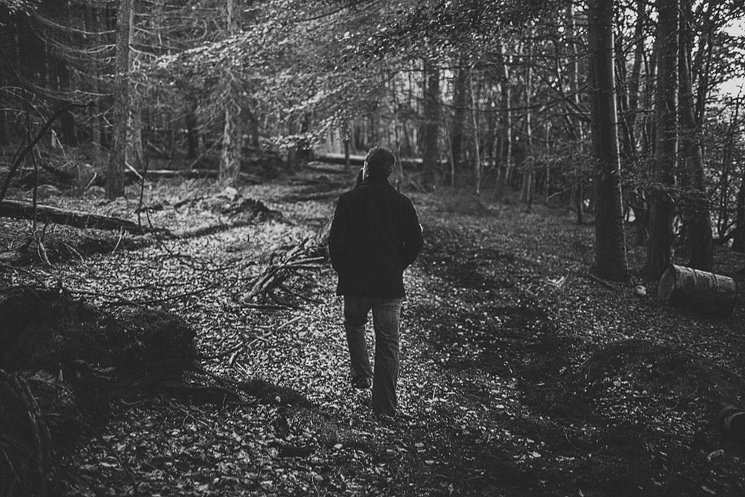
(169, 171)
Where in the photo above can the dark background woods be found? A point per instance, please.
(507, 96)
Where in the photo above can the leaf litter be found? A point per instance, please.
(511, 383)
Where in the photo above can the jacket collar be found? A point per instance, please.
(375, 181)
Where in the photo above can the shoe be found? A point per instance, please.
(362, 382)
(385, 417)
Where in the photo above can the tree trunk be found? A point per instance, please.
(547, 179)
(115, 172)
(347, 163)
(93, 22)
(232, 137)
(738, 242)
(4, 138)
(699, 243)
(134, 140)
(192, 134)
(647, 124)
(430, 152)
(528, 165)
(661, 206)
(635, 75)
(625, 131)
(505, 143)
(460, 94)
(723, 223)
(7, 39)
(476, 145)
(134, 153)
(610, 244)
(578, 130)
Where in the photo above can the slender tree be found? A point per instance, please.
(577, 126)
(232, 137)
(115, 172)
(505, 143)
(460, 103)
(738, 241)
(528, 166)
(430, 152)
(476, 144)
(610, 244)
(728, 152)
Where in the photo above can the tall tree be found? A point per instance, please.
(476, 144)
(460, 103)
(528, 166)
(661, 207)
(431, 111)
(505, 143)
(698, 236)
(232, 137)
(577, 126)
(610, 244)
(728, 152)
(738, 241)
(115, 172)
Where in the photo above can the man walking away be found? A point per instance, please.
(375, 235)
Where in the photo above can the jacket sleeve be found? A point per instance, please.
(338, 237)
(412, 239)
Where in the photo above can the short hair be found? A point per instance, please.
(380, 161)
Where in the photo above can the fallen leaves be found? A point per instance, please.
(498, 321)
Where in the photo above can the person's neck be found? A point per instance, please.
(375, 180)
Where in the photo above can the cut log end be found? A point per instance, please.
(666, 285)
(701, 291)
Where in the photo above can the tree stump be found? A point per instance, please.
(704, 292)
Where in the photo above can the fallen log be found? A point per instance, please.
(45, 213)
(357, 160)
(701, 291)
(190, 174)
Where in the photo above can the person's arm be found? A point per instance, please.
(338, 237)
(412, 239)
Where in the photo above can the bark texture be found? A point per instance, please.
(661, 207)
(610, 245)
(698, 236)
(115, 172)
(430, 152)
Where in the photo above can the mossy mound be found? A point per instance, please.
(61, 362)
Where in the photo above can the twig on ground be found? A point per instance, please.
(603, 282)
(118, 300)
(299, 295)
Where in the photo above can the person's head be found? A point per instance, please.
(378, 163)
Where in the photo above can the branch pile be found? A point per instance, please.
(286, 263)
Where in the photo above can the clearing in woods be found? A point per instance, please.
(520, 375)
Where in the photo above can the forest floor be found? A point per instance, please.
(521, 375)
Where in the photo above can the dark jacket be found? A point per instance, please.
(374, 236)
